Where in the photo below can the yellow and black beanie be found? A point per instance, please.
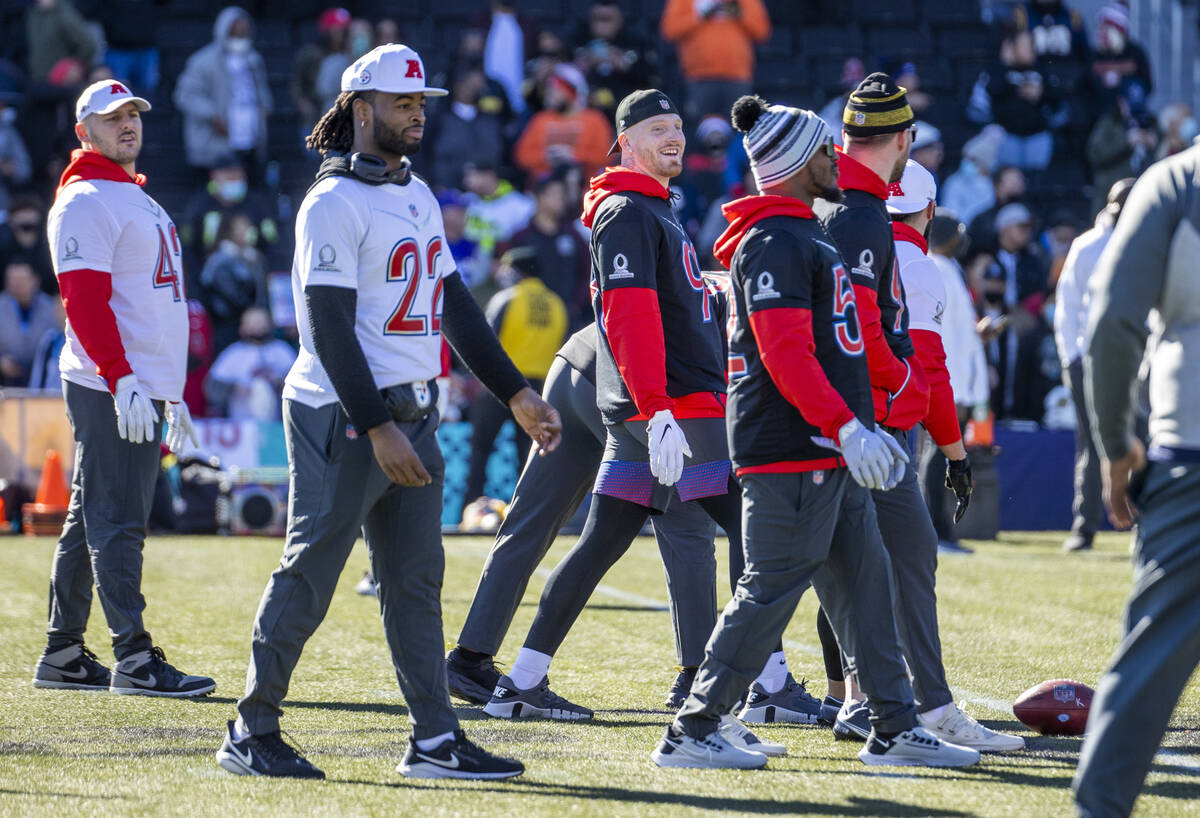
(877, 106)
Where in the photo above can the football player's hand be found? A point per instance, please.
(899, 460)
(179, 426)
(539, 419)
(668, 447)
(867, 455)
(1116, 475)
(958, 480)
(136, 417)
(397, 457)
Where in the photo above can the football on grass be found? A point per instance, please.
(1055, 708)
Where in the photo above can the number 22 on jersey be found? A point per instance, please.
(408, 266)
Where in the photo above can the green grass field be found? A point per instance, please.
(1015, 613)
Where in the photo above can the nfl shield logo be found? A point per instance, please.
(350, 433)
(859, 118)
(421, 393)
(1064, 693)
(818, 478)
(666, 106)
(412, 208)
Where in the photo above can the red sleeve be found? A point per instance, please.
(85, 295)
(633, 326)
(886, 369)
(785, 341)
(942, 418)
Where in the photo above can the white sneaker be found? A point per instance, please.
(366, 586)
(740, 736)
(915, 748)
(958, 727)
(678, 749)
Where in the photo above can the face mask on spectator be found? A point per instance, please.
(232, 190)
(256, 337)
(238, 45)
(360, 44)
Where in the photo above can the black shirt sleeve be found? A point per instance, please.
(467, 330)
(331, 320)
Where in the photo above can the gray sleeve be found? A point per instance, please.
(1126, 285)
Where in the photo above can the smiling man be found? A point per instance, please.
(375, 288)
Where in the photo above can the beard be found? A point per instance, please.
(898, 170)
(393, 141)
(830, 193)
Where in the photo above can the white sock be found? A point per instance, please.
(530, 668)
(240, 730)
(427, 744)
(936, 714)
(774, 673)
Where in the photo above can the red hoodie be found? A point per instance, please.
(86, 293)
(633, 322)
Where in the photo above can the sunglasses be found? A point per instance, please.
(830, 147)
(912, 132)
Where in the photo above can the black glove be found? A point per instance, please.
(958, 480)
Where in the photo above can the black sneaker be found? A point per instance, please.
(266, 755)
(147, 673)
(681, 687)
(471, 680)
(510, 702)
(829, 711)
(792, 703)
(853, 721)
(456, 758)
(73, 667)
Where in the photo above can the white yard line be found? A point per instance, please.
(1176, 757)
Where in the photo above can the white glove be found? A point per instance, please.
(179, 426)
(899, 462)
(668, 447)
(866, 454)
(136, 417)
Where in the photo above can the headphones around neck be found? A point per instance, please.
(373, 170)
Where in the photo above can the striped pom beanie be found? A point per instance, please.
(877, 106)
(779, 140)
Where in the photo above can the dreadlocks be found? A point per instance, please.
(334, 132)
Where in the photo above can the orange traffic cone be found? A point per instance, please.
(52, 488)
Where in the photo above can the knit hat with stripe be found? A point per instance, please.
(779, 140)
(877, 106)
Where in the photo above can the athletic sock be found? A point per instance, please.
(774, 673)
(426, 744)
(240, 731)
(936, 713)
(530, 668)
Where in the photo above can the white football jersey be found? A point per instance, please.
(924, 292)
(387, 242)
(116, 228)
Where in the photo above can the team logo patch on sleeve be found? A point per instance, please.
(764, 287)
(621, 267)
(866, 260)
(326, 257)
(71, 249)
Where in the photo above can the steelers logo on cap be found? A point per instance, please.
(364, 77)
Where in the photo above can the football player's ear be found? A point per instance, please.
(81, 132)
(362, 111)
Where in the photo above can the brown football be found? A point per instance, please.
(1058, 707)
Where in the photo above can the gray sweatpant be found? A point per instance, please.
(549, 491)
(337, 489)
(1159, 652)
(911, 544)
(1087, 507)
(817, 528)
(111, 494)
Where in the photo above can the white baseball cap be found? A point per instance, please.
(391, 68)
(915, 190)
(104, 97)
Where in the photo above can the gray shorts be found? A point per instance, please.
(625, 470)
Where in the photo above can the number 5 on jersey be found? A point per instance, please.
(408, 265)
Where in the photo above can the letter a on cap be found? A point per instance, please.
(414, 70)
(117, 88)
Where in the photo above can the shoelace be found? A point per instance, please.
(963, 723)
(276, 749)
(552, 697)
(799, 689)
(165, 670)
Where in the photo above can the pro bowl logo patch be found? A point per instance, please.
(364, 77)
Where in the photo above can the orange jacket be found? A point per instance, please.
(719, 48)
(587, 133)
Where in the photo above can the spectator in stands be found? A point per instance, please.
(507, 43)
(44, 373)
(550, 54)
(246, 381)
(462, 132)
(1038, 370)
(968, 191)
(1055, 29)
(1123, 143)
(199, 359)
(716, 40)
(131, 31)
(496, 209)
(562, 258)
(224, 97)
(233, 279)
(1119, 67)
(1061, 229)
(1073, 296)
(470, 261)
(531, 323)
(566, 132)
(332, 35)
(360, 38)
(227, 193)
(928, 151)
(921, 101)
(615, 61)
(853, 72)
(1178, 128)
(56, 32)
(387, 31)
(704, 171)
(1023, 103)
(15, 167)
(24, 236)
(1008, 186)
(26, 313)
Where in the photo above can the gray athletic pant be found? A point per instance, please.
(549, 491)
(938, 498)
(797, 529)
(1087, 507)
(911, 544)
(111, 494)
(1160, 650)
(337, 489)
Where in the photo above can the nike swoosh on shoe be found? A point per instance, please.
(452, 764)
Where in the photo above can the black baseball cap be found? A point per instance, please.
(641, 105)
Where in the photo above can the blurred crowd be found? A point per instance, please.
(509, 152)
